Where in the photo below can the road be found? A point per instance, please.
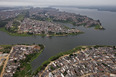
(5, 63)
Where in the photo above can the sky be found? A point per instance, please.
(57, 2)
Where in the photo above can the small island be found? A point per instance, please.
(45, 22)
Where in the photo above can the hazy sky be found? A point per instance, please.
(56, 2)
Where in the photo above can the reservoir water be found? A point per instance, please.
(54, 45)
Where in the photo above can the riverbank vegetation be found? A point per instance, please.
(99, 27)
(44, 64)
(53, 58)
(5, 48)
(25, 69)
(13, 32)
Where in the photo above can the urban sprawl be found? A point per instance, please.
(94, 62)
(11, 61)
(45, 21)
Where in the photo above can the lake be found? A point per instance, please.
(54, 45)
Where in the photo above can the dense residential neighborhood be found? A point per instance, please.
(90, 62)
(57, 38)
(9, 14)
(60, 16)
(13, 59)
(83, 61)
(43, 27)
(47, 21)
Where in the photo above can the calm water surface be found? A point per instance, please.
(55, 45)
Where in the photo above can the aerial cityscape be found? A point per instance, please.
(47, 38)
(81, 63)
(45, 22)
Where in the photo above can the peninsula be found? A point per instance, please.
(15, 60)
(83, 61)
(43, 21)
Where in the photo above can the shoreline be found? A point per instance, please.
(46, 63)
(25, 34)
(25, 63)
(28, 70)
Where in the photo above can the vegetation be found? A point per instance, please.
(114, 47)
(64, 34)
(25, 70)
(1, 67)
(52, 19)
(98, 27)
(16, 23)
(21, 16)
(13, 32)
(63, 21)
(97, 46)
(65, 73)
(105, 64)
(53, 58)
(114, 54)
(52, 68)
(13, 29)
(75, 24)
(3, 23)
(5, 48)
(44, 64)
(66, 27)
(39, 18)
